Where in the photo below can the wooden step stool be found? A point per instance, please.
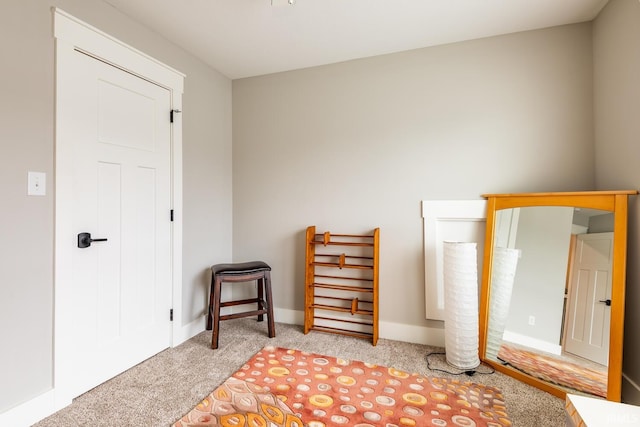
(236, 273)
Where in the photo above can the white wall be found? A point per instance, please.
(616, 55)
(26, 222)
(357, 145)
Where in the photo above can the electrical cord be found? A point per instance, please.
(468, 372)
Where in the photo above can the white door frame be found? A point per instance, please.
(72, 35)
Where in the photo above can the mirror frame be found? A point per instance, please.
(614, 201)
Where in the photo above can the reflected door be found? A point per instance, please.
(590, 295)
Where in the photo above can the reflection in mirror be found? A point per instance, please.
(553, 287)
(539, 318)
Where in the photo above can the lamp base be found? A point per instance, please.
(465, 366)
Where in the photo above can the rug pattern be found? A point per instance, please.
(283, 387)
(552, 368)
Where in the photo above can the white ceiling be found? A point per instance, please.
(243, 38)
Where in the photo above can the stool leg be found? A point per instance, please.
(259, 287)
(215, 311)
(267, 289)
(210, 308)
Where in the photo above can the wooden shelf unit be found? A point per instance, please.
(341, 283)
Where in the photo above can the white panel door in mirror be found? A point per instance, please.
(448, 220)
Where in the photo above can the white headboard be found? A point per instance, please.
(451, 220)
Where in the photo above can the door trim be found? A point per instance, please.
(71, 34)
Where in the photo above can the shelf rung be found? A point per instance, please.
(326, 276)
(345, 255)
(342, 331)
(342, 287)
(320, 242)
(340, 299)
(335, 264)
(336, 319)
(360, 236)
(341, 309)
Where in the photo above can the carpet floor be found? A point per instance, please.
(162, 389)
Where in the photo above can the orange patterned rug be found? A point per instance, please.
(291, 388)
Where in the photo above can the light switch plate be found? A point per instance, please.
(36, 184)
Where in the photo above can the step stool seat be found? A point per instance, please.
(240, 267)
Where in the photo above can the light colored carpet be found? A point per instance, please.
(167, 386)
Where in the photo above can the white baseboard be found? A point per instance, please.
(387, 330)
(532, 342)
(291, 317)
(411, 333)
(30, 412)
(189, 330)
(630, 391)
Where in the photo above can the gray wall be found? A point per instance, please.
(617, 128)
(543, 236)
(27, 222)
(356, 145)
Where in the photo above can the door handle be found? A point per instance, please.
(85, 240)
(606, 301)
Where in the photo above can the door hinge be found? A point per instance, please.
(171, 315)
(171, 114)
(171, 215)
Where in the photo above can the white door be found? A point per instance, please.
(118, 128)
(588, 313)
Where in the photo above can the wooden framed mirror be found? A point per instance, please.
(553, 289)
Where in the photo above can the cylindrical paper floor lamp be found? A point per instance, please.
(460, 271)
(503, 273)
